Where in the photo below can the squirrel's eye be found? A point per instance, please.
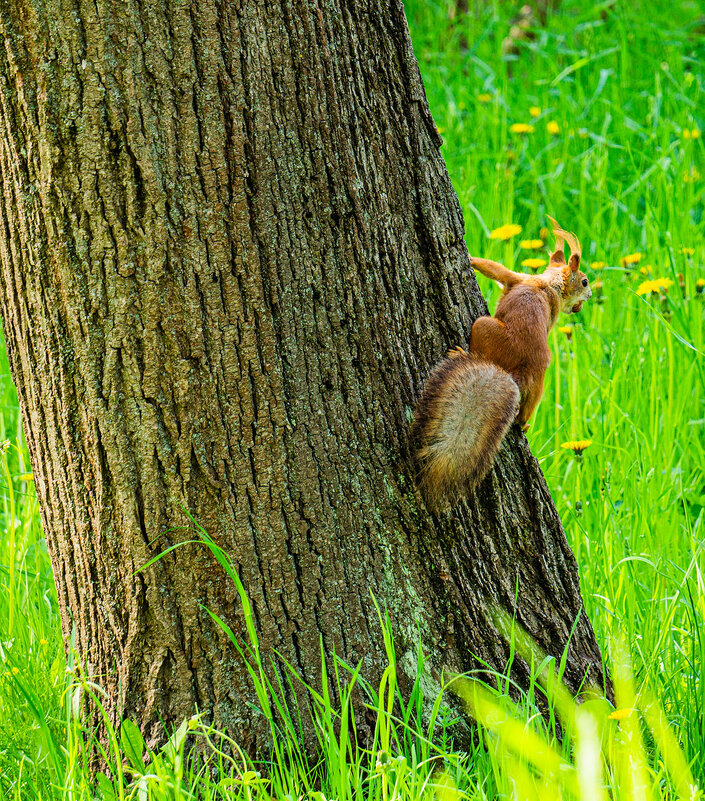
(585, 282)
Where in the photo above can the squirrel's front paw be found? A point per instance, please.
(456, 353)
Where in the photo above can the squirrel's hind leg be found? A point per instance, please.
(530, 397)
(489, 339)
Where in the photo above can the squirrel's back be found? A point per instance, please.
(464, 411)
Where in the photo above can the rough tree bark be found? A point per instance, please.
(231, 254)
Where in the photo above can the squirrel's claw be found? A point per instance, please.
(456, 352)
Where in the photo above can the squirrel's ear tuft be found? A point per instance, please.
(558, 255)
(572, 240)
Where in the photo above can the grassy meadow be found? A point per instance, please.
(595, 120)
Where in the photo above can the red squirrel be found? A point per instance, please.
(471, 398)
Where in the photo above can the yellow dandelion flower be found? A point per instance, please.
(567, 330)
(43, 641)
(688, 251)
(534, 264)
(645, 270)
(15, 671)
(695, 133)
(632, 258)
(598, 265)
(553, 128)
(485, 97)
(521, 128)
(691, 176)
(535, 111)
(700, 286)
(620, 714)
(531, 244)
(686, 133)
(505, 232)
(577, 445)
(655, 285)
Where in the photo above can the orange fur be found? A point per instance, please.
(515, 339)
(471, 399)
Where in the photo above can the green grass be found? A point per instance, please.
(624, 83)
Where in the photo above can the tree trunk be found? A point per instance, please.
(231, 254)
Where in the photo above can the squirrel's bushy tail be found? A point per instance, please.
(464, 411)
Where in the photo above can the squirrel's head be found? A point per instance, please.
(566, 276)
